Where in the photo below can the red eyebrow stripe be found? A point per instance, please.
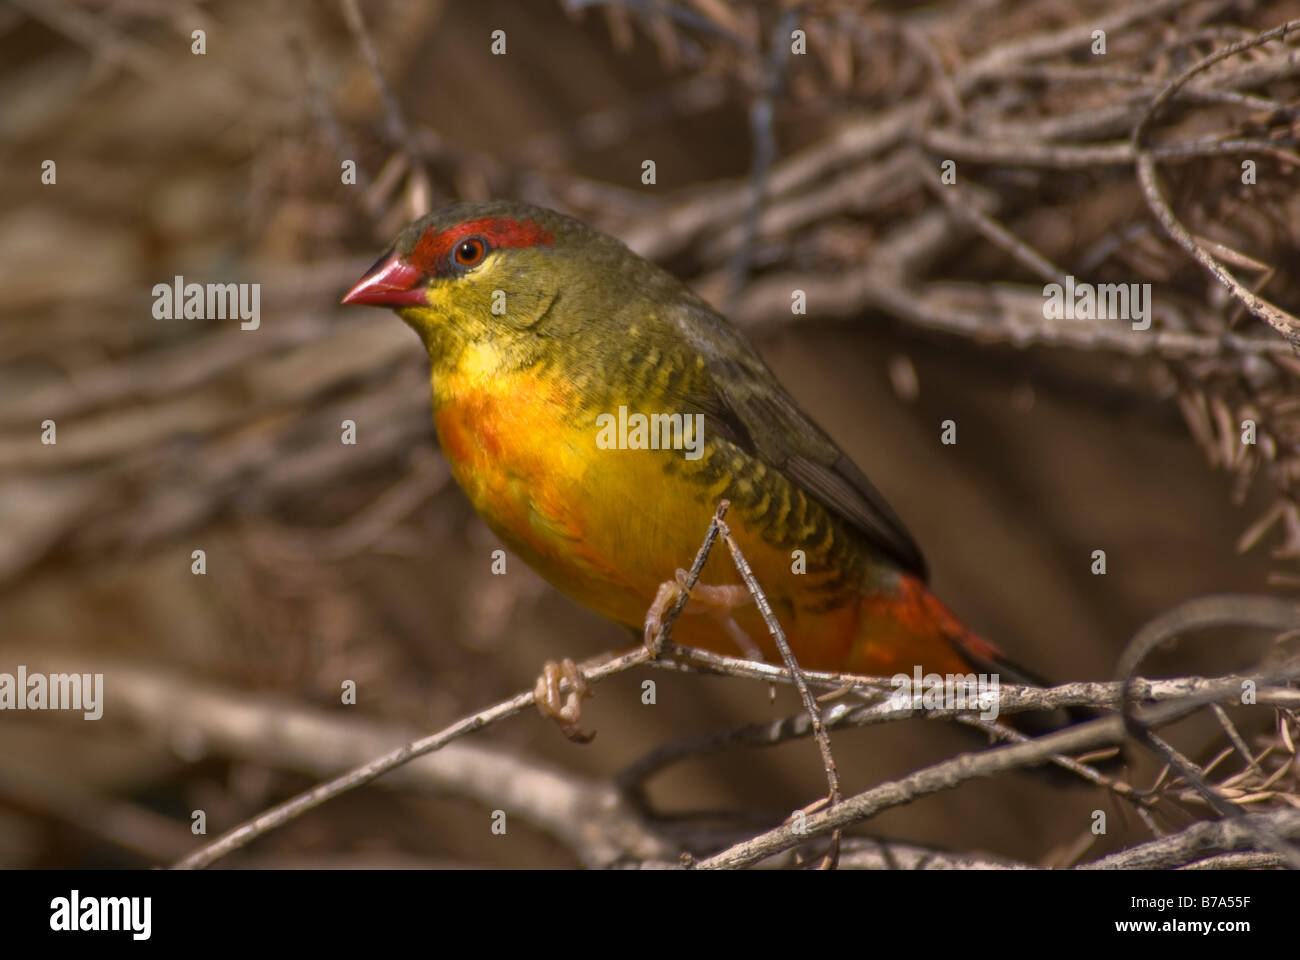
(431, 251)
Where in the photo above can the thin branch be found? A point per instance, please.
(940, 776)
(1190, 844)
(593, 672)
(961, 204)
(659, 641)
(764, 151)
(1219, 610)
(1233, 735)
(1282, 321)
(800, 681)
(399, 134)
(1107, 731)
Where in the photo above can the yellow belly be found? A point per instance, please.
(608, 526)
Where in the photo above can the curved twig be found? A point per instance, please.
(1282, 321)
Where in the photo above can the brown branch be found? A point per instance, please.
(796, 674)
(277, 816)
(948, 774)
(1282, 321)
(399, 134)
(1186, 847)
(1013, 699)
(1221, 610)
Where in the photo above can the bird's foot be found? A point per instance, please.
(564, 709)
(717, 601)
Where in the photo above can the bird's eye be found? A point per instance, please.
(470, 252)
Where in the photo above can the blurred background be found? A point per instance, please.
(775, 170)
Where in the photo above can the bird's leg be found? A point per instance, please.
(717, 601)
(666, 596)
(565, 710)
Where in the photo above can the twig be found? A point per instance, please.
(1012, 699)
(1062, 156)
(593, 672)
(1236, 861)
(1185, 847)
(940, 776)
(764, 148)
(1230, 729)
(398, 132)
(1001, 731)
(958, 202)
(1013, 315)
(586, 815)
(1105, 731)
(98, 36)
(1041, 45)
(660, 640)
(1219, 610)
(318, 101)
(800, 681)
(1282, 321)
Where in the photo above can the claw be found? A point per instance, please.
(564, 709)
(717, 601)
(667, 595)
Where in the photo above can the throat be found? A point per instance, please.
(494, 419)
(506, 437)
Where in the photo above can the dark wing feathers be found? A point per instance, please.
(743, 401)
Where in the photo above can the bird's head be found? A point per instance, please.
(497, 272)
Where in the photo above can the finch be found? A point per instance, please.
(552, 347)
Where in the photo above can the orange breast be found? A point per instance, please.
(608, 526)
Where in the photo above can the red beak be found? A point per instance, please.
(392, 282)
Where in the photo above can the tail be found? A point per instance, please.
(983, 657)
(986, 658)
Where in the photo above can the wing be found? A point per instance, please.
(741, 399)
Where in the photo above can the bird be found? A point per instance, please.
(595, 411)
